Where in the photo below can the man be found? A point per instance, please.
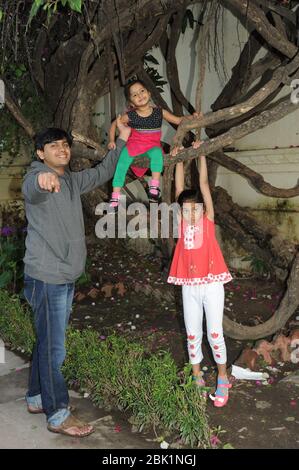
(55, 257)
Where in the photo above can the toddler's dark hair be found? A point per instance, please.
(190, 195)
(51, 134)
(129, 84)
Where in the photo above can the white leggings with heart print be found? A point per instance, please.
(209, 297)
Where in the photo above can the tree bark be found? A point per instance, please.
(286, 309)
(280, 75)
(257, 19)
(14, 109)
(272, 114)
(256, 180)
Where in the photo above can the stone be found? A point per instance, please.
(262, 405)
(291, 378)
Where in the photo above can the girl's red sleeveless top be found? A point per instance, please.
(145, 134)
(198, 258)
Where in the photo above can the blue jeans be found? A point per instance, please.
(51, 305)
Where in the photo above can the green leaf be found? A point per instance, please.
(1, 14)
(75, 5)
(227, 446)
(5, 278)
(3, 259)
(190, 18)
(150, 58)
(18, 73)
(34, 9)
(184, 23)
(8, 249)
(187, 18)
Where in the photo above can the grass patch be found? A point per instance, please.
(121, 373)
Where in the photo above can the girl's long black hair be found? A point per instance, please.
(190, 195)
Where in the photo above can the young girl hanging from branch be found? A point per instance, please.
(145, 140)
(198, 266)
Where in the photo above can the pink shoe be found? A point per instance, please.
(220, 399)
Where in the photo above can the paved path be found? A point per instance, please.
(22, 430)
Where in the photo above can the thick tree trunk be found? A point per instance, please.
(286, 309)
(258, 238)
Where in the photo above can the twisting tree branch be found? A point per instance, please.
(17, 113)
(110, 66)
(240, 72)
(88, 142)
(254, 179)
(202, 49)
(280, 75)
(272, 114)
(168, 47)
(257, 18)
(285, 310)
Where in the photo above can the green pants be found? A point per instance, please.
(154, 154)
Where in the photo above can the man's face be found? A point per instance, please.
(56, 154)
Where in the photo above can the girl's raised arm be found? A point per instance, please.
(112, 131)
(205, 188)
(179, 179)
(169, 117)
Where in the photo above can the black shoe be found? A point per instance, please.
(154, 197)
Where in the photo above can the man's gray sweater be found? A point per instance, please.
(55, 242)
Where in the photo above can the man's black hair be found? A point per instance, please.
(51, 134)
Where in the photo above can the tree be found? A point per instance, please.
(77, 51)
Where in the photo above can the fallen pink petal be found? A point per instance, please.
(214, 440)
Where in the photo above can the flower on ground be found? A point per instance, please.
(214, 440)
(7, 231)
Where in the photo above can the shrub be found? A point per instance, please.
(121, 373)
(11, 257)
(16, 326)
